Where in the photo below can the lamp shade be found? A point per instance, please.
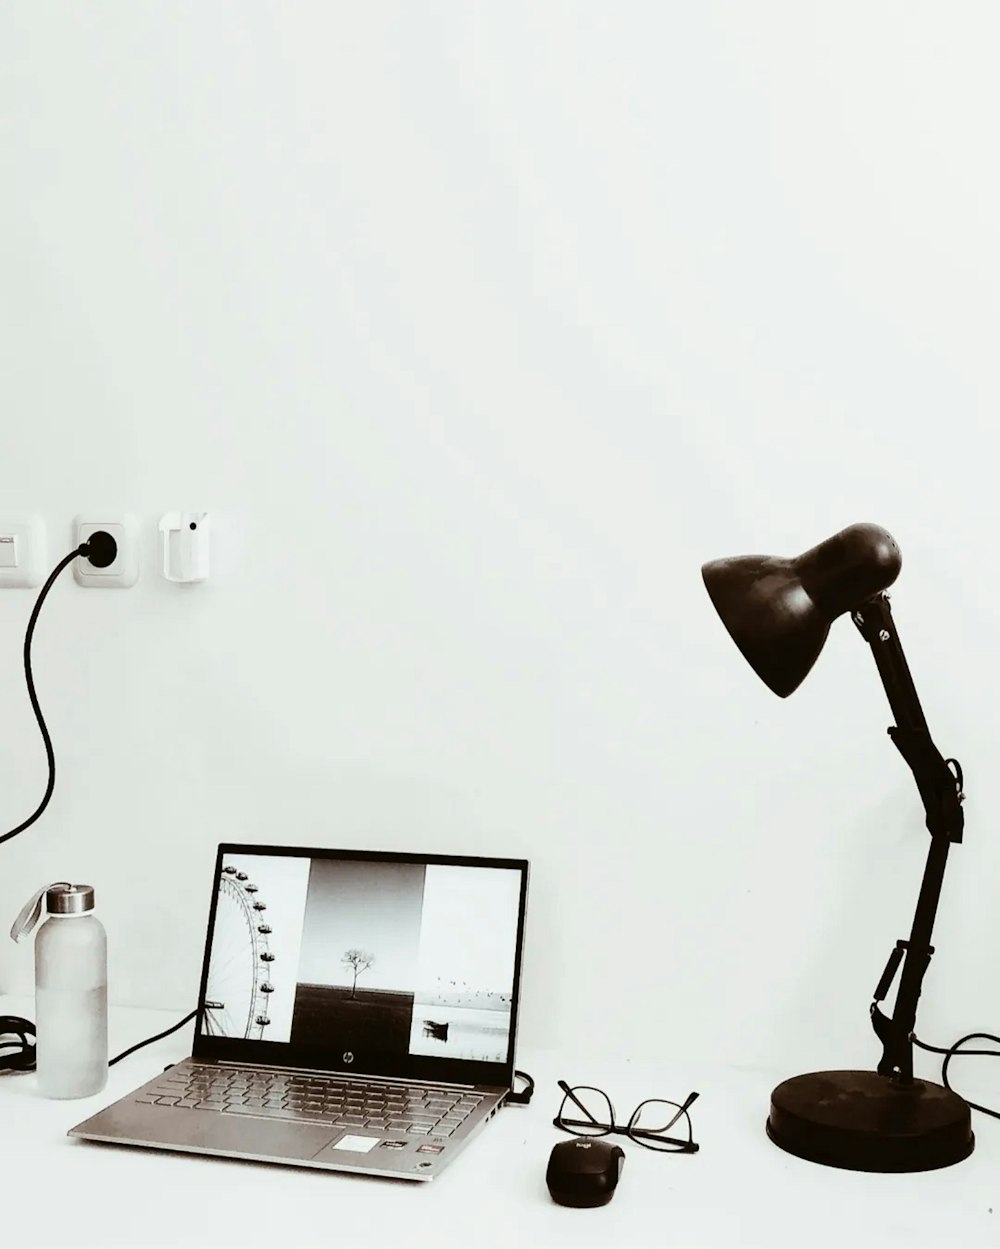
(778, 611)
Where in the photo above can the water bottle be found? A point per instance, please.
(71, 990)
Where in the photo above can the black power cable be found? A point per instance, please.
(149, 1040)
(101, 550)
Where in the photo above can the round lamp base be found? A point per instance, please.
(861, 1121)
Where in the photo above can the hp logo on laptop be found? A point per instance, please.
(348, 1057)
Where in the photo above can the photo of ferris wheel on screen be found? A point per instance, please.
(239, 986)
(250, 990)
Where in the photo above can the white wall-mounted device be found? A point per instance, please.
(23, 559)
(124, 571)
(184, 539)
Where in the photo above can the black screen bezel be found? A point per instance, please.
(407, 1066)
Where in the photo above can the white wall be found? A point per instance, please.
(478, 328)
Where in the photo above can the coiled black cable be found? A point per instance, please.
(16, 1053)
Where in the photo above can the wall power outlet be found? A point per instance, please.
(124, 570)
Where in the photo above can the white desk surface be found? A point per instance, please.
(739, 1190)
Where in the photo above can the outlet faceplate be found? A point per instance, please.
(124, 571)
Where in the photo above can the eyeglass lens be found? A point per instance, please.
(656, 1118)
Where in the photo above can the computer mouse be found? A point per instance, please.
(584, 1171)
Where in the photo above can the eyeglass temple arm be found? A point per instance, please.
(576, 1101)
(688, 1103)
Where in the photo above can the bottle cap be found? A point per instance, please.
(61, 898)
(69, 899)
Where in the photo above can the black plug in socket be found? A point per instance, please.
(102, 549)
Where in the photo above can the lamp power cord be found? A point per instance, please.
(956, 1051)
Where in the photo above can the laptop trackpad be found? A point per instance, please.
(261, 1138)
(131, 1123)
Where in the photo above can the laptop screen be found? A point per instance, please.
(390, 964)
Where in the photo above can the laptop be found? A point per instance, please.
(357, 1012)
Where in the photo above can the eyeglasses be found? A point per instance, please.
(648, 1124)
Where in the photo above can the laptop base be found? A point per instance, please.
(325, 1146)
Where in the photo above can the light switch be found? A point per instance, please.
(23, 554)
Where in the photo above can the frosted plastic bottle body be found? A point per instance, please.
(71, 1005)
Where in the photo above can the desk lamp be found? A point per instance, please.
(779, 612)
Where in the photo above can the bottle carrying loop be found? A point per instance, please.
(32, 910)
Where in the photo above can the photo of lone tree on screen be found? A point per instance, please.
(357, 966)
(357, 961)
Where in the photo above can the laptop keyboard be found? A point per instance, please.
(417, 1110)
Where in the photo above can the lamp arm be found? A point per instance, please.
(941, 792)
(940, 788)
